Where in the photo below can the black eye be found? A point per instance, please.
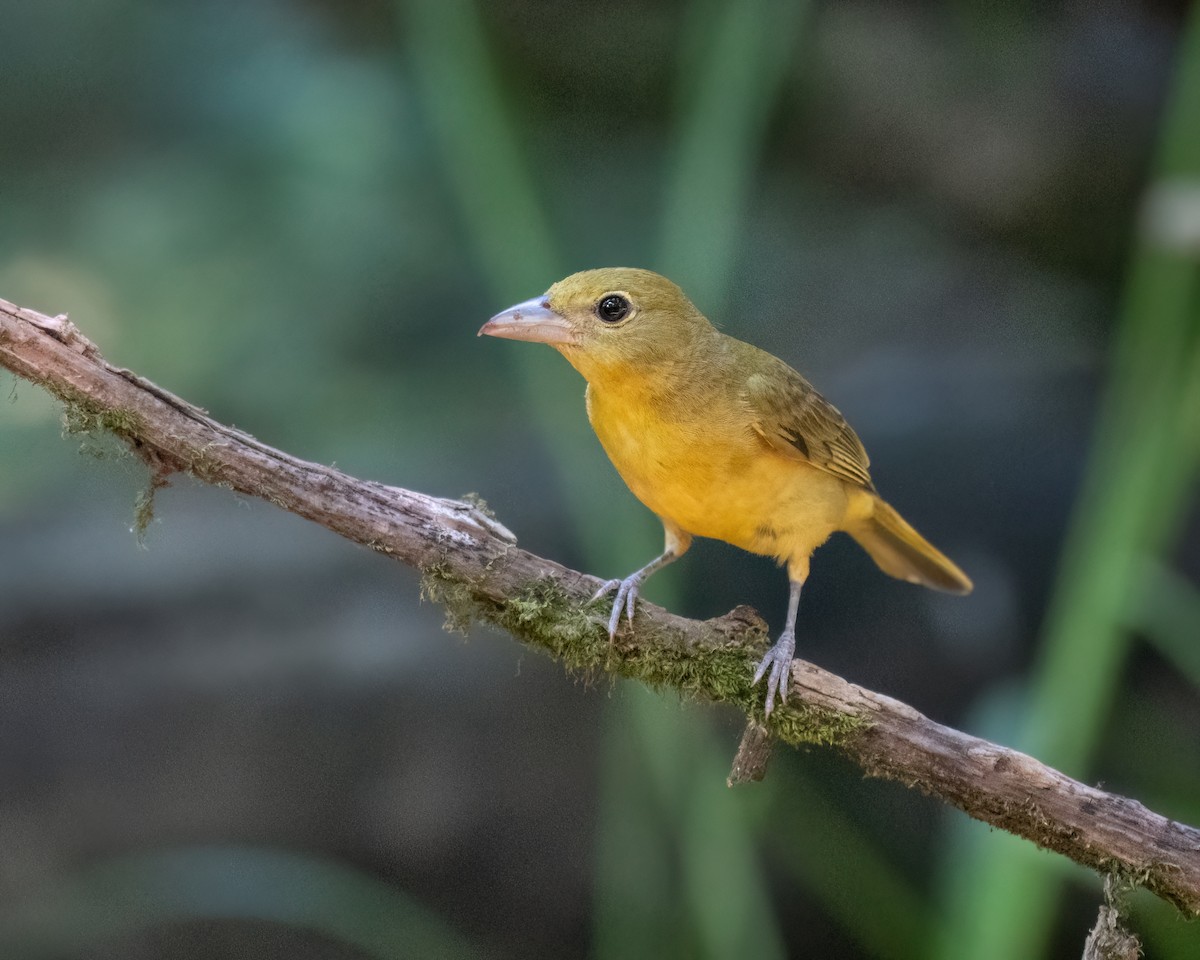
(612, 308)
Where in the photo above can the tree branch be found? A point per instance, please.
(471, 563)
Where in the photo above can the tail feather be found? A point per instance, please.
(900, 551)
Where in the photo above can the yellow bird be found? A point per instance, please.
(719, 438)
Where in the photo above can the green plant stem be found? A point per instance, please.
(1133, 496)
(493, 186)
(844, 870)
(731, 67)
(1168, 615)
(734, 59)
(495, 194)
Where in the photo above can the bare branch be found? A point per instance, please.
(471, 564)
(753, 754)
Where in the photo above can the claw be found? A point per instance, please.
(777, 667)
(627, 593)
(608, 587)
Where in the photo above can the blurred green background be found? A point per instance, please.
(973, 226)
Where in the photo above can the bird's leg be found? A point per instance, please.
(777, 664)
(677, 543)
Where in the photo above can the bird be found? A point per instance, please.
(719, 438)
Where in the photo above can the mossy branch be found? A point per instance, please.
(472, 565)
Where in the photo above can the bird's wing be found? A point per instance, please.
(795, 420)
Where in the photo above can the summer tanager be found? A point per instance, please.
(719, 438)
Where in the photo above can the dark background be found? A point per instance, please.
(245, 737)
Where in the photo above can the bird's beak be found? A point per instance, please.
(532, 320)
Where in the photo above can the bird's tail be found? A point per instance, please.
(900, 551)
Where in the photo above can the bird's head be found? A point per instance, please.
(608, 321)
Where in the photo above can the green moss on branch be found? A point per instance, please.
(83, 415)
(543, 616)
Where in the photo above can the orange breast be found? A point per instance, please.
(712, 476)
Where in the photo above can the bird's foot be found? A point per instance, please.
(777, 667)
(627, 592)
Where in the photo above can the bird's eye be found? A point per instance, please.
(612, 308)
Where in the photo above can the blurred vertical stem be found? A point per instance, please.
(734, 61)
(505, 221)
(1133, 498)
(1168, 614)
(637, 899)
(480, 146)
(877, 906)
(732, 65)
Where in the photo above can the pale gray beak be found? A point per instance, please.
(532, 320)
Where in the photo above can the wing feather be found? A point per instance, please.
(795, 420)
